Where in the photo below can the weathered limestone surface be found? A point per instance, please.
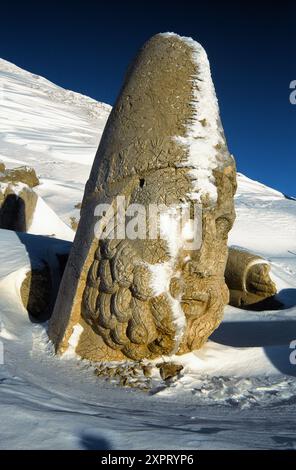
(21, 174)
(248, 278)
(109, 286)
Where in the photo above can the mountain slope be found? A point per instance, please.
(56, 131)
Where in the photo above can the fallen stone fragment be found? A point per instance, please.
(36, 292)
(17, 206)
(248, 278)
(21, 174)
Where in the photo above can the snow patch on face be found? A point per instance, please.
(161, 275)
(5, 334)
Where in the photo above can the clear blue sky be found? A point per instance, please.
(86, 46)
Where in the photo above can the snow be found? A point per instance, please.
(238, 391)
(46, 222)
(204, 133)
(162, 273)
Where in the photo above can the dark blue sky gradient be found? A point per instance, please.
(86, 46)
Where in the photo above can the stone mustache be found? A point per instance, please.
(163, 144)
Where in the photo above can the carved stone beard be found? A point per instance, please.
(115, 297)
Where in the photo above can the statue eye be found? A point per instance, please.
(223, 225)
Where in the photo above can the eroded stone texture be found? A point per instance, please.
(248, 278)
(163, 143)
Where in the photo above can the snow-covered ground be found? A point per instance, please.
(54, 130)
(238, 391)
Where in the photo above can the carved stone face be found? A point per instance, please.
(120, 303)
(163, 144)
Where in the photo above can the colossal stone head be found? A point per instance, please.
(163, 146)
